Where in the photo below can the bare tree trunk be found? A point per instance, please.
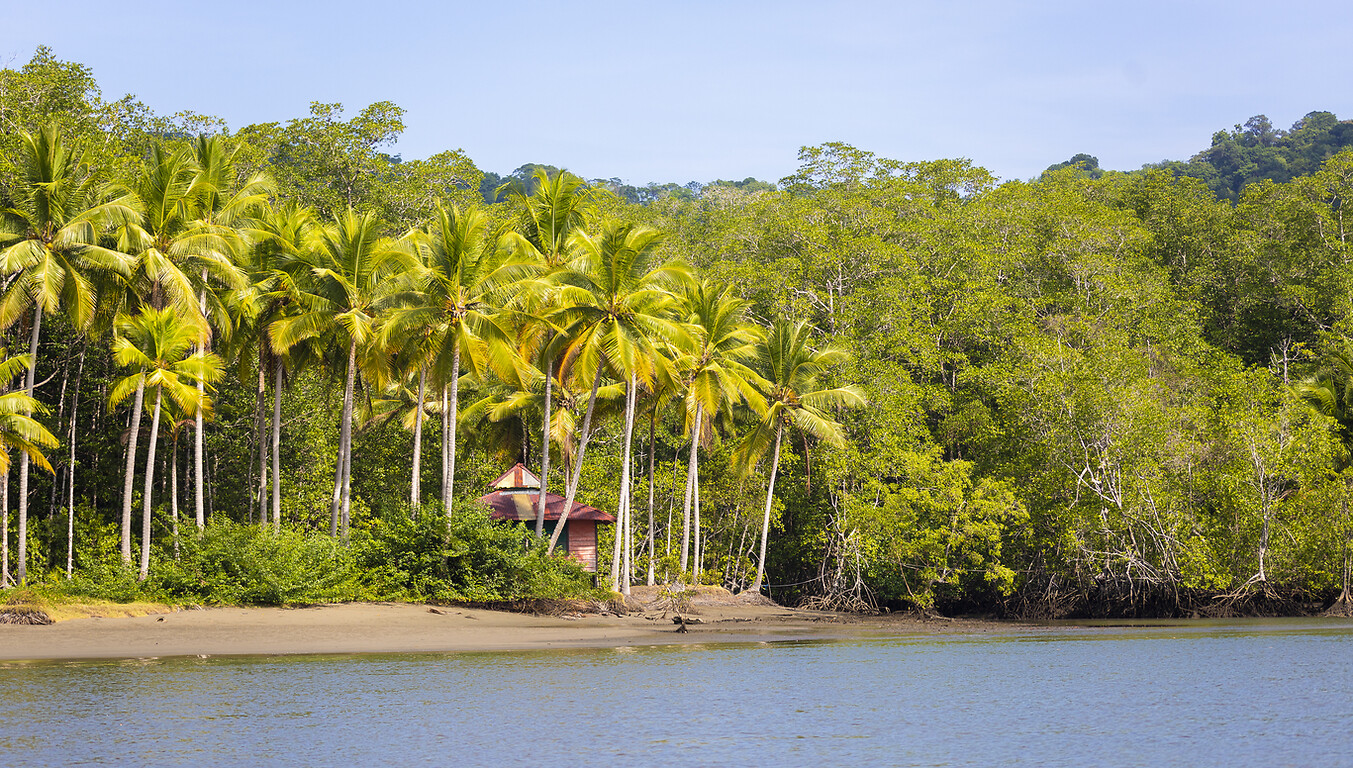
(545, 452)
(765, 521)
(416, 475)
(149, 492)
(686, 499)
(451, 439)
(134, 430)
(22, 568)
(277, 446)
(1263, 544)
(572, 490)
(344, 433)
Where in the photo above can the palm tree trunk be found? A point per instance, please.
(70, 465)
(344, 433)
(451, 438)
(199, 476)
(57, 478)
(545, 451)
(148, 493)
(174, 489)
(415, 480)
(629, 482)
(347, 485)
(690, 483)
(620, 559)
(4, 530)
(134, 431)
(652, 457)
(765, 521)
(276, 446)
(446, 432)
(697, 543)
(572, 489)
(22, 569)
(260, 402)
(349, 397)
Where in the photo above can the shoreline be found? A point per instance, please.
(398, 628)
(420, 628)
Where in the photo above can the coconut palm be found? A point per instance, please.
(281, 237)
(547, 221)
(180, 255)
(503, 420)
(49, 238)
(224, 207)
(1330, 390)
(615, 302)
(717, 376)
(19, 431)
(451, 318)
(792, 369)
(187, 247)
(350, 274)
(158, 346)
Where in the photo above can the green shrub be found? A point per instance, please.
(230, 563)
(468, 557)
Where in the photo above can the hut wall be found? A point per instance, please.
(582, 542)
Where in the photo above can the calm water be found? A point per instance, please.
(1239, 694)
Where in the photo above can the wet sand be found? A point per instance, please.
(416, 628)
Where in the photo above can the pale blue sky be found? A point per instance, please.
(702, 90)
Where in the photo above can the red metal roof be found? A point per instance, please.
(520, 504)
(517, 492)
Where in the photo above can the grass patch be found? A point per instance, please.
(59, 606)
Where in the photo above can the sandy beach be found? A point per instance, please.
(414, 628)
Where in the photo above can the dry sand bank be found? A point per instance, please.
(411, 628)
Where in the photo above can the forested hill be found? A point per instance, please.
(1255, 151)
(1248, 153)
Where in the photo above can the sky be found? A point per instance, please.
(696, 91)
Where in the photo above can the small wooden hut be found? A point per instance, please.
(516, 493)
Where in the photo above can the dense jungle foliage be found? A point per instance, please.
(912, 386)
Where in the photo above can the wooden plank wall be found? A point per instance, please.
(582, 542)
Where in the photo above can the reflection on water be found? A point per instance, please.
(1191, 694)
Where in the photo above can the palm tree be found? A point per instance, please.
(451, 317)
(50, 246)
(186, 245)
(792, 369)
(717, 376)
(1330, 390)
(350, 275)
(157, 345)
(282, 238)
(224, 207)
(547, 221)
(615, 302)
(18, 431)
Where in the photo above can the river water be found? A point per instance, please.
(1258, 693)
